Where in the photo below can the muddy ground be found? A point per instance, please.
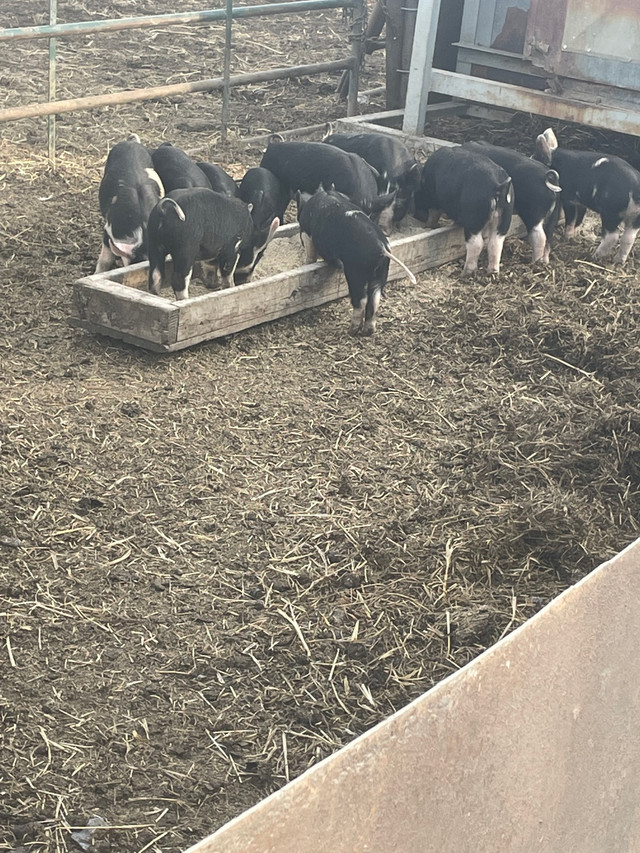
(218, 566)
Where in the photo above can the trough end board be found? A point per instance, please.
(111, 305)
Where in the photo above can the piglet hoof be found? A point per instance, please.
(369, 328)
(469, 271)
(540, 258)
(155, 282)
(604, 252)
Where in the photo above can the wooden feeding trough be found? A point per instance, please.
(116, 303)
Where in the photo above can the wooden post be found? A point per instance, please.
(394, 54)
(357, 49)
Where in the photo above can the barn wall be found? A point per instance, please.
(535, 745)
(535, 62)
(591, 40)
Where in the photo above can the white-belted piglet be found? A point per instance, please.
(476, 193)
(200, 224)
(176, 169)
(396, 167)
(219, 180)
(537, 194)
(307, 166)
(266, 194)
(601, 182)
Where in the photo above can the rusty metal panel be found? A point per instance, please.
(603, 27)
(595, 40)
(545, 30)
(605, 70)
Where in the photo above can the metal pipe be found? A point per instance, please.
(82, 28)
(409, 11)
(150, 93)
(308, 130)
(357, 49)
(226, 89)
(51, 120)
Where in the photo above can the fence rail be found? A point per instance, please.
(54, 30)
(147, 22)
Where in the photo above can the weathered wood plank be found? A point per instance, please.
(228, 311)
(419, 146)
(231, 310)
(109, 332)
(110, 305)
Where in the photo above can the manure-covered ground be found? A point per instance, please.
(218, 566)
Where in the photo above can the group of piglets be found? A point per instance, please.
(350, 189)
(161, 202)
(480, 186)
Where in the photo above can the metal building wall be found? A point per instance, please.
(581, 58)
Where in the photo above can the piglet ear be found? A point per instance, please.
(273, 228)
(543, 151)
(550, 136)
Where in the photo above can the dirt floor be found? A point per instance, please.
(219, 566)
